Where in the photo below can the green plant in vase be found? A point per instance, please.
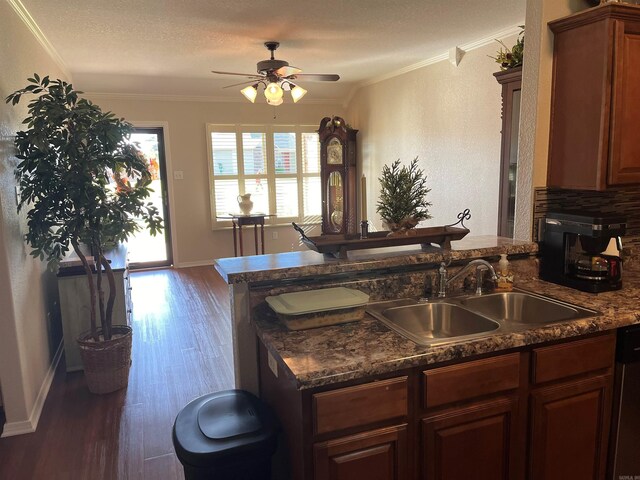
(68, 155)
(511, 57)
(402, 203)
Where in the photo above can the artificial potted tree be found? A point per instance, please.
(403, 204)
(84, 183)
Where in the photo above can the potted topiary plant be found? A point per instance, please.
(402, 204)
(68, 156)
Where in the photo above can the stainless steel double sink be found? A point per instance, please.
(455, 319)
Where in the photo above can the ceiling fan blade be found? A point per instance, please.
(248, 75)
(317, 77)
(242, 83)
(287, 71)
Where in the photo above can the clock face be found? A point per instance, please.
(334, 152)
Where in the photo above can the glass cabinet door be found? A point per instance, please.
(335, 201)
(511, 81)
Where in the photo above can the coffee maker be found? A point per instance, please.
(582, 250)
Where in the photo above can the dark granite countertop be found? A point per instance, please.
(282, 266)
(334, 354)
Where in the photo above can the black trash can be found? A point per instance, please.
(228, 435)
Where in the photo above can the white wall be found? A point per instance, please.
(448, 116)
(27, 291)
(194, 241)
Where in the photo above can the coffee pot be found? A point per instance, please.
(582, 250)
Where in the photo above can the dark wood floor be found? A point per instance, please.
(182, 349)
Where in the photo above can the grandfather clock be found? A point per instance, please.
(338, 176)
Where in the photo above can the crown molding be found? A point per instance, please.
(499, 35)
(466, 47)
(33, 27)
(192, 98)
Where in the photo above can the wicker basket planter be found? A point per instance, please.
(107, 364)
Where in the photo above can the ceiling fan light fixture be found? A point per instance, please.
(273, 92)
(275, 103)
(297, 92)
(250, 92)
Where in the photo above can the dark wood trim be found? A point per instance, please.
(620, 11)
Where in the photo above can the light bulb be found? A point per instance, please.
(250, 92)
(275, 103)
(273, 92)
(297, 93)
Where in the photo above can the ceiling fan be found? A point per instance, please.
(276, 76)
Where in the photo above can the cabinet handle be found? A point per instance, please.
(129, 288)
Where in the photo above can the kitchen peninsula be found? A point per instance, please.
(359, 396)
(383, 273)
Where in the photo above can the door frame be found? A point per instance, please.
(165, 168)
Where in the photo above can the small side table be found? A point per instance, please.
(239, 221)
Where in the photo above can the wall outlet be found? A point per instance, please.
(274, 235)
(178, 175)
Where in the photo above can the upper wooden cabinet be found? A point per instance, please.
(595, 106)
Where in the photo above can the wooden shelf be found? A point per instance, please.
(339, 245)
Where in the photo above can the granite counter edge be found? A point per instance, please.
(456, 351)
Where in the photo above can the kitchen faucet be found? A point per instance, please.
(479, 264)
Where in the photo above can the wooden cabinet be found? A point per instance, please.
(569, 429)
(469, 380)
(595, 105)
(359, 405)
(374, 455)
(570, 409)
(74, 301)
(471, 441)
(470, 425)
(539, 413)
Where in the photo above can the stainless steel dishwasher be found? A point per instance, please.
(626, 415)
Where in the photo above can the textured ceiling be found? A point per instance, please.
(170, 46)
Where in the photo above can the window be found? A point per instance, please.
(278, 165)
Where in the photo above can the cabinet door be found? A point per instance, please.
(475, 441)
(569, 429)
(375, 455)
(624, 164)
(579, 133)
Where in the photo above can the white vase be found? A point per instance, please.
(245, 203)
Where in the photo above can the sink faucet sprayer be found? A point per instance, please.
(479, 264)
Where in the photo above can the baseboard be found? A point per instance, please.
(202, 263)
(29, 426)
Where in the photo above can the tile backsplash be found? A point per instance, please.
(620, 200)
